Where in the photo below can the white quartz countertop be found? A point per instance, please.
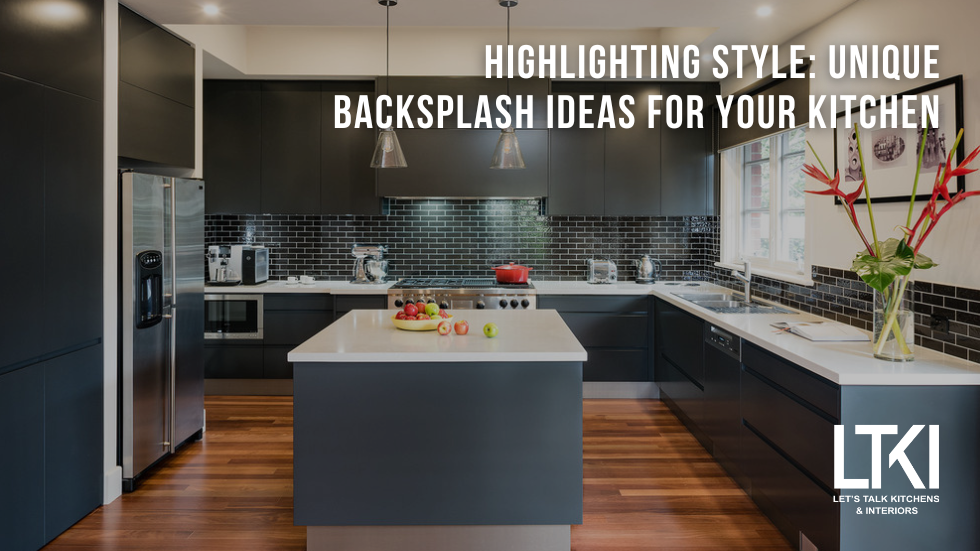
(330, 287)
(369, 336)
(845, 363)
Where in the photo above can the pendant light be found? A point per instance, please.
(388, 152)
(507, 154)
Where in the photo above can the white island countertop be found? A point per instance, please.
(370, 336)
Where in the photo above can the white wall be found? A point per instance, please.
(112, 486)
(951, 24)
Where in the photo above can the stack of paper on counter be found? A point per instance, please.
(822, 330)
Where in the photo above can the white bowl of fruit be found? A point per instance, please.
(419, 316)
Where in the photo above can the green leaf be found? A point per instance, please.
(923, 262)
(880, 272)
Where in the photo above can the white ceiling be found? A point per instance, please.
(735, 19)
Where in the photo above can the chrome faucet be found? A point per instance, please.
(747, 278)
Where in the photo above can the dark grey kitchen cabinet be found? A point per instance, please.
(788, 420)
(47, 51)
(576, 183)
(51, 427)
(233, 359)
(232, 146)
(22, 462)
(469, 89)
(687, 156)
(22, 215)
(73, 434)
(55, 144)
(633, 156)
(345, 303)
(347, 181)
(156, 95)
(680, 364)
(456, 163)
(154, 59)
(72, 221)
(614, 330)
(289, 321)
(290, 147)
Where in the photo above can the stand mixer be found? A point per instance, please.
(369, 263)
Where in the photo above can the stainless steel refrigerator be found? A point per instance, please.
(161, 318)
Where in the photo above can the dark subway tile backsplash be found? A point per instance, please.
(464, 237)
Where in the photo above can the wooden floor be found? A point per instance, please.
(648, 486)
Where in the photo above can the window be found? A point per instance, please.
(763, 215)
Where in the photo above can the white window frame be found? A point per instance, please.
(732, 257)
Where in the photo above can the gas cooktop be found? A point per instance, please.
(456, 283)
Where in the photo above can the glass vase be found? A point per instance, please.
(894, 322)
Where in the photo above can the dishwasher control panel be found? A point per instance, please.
(723, 339)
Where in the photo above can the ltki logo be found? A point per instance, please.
(896, 455)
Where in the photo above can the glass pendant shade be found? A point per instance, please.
(388, 152)
(507, 155)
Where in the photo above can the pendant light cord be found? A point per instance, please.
(388, 49)
(508, 50)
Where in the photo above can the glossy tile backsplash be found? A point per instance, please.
(461, 237)
(455, 237)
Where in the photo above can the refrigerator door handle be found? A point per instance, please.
(171, 185)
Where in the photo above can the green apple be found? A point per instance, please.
(490, 330)
(432, 309)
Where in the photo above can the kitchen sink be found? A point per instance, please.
(730, 303)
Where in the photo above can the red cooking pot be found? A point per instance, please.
(512, 273)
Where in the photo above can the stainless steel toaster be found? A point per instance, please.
(600, 271)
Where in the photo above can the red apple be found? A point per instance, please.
(445, 328)
(422, 317)
(400, 315)
(443, 314)
(411, 310)
(461, 326)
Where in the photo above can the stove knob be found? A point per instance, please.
(399, 303)
(480, 305)
(525, 303)
(514, 303)
(431, 301)
(444, 305)
(503, 303)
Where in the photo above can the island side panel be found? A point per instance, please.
(949, 524)
(468, 443)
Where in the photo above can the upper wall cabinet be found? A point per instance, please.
(42, 47)
(232, 146)
(638, 171)
(156, 95)
(271, 147)
(453, 161)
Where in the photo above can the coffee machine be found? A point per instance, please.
(219, 271)
(369, 263)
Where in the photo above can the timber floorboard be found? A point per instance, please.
(648, 485)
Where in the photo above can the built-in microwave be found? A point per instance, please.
(232, 316)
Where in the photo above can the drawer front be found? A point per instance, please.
(606, 364)
(232, 362)
(788, 497)
(614, 331)
(589, 303)
(318, 301)
(683, 392)
(818, 391)
(294, 327)
(796, 430)
(346, 303)
(275, 364)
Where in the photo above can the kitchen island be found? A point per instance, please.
(413, 440)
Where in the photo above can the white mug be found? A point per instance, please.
(291, 279)
(306, 279)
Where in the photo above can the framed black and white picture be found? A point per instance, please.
(891, 154)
